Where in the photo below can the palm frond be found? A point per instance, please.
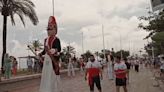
(12, 19)
(0, 9)
(36, 45)
(22, 8)
(8, 1)
(1, 5)
(29, 2)
(29, 6)
(21, 17)
(2, 1)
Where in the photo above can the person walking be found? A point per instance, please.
(162, 67)
(137, 65)
(128, 65)
(110, 67)
(81, 65)
(7, 66)
(29, 64)
(132, 63)
(94, 73)
(37, 67)
(120, 73)
(14, 66)
(71, 70)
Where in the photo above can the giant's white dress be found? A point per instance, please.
(50, 82)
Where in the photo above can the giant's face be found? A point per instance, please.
(52, 31)
(52, 26)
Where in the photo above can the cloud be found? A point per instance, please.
(18, 49)
(119, 18)
(115, 29)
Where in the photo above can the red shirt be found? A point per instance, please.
(120, 67)
(93, 70)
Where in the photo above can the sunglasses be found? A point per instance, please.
(49, 29)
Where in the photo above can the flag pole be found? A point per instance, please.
(102, 29)
(53, 7)
(82, 43)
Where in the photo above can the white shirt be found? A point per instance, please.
(120, 66)
(94, 64)
(162, 64)
(103, 62)
(29, 62)
(136, 62)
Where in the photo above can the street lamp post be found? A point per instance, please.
(103, 40)
(121, 46)
(53, 7)
(121, 54)
(82, 43)
(102, 20)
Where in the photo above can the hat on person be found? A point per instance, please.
(52, 23)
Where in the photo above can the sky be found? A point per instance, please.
(74, 17)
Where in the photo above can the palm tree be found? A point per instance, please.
(21, 8)
(35, 46)
(86, 55)
(67, 51)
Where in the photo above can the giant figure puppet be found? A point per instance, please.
(50, 79)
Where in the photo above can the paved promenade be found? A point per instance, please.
(139, 82)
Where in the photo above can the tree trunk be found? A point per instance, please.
(4, 39)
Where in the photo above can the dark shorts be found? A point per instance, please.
(96, 80)
(29, 67)
(121, 82)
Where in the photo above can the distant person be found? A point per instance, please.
(29, 64)
(14, 66)
(103, 63)
(128, 68)
(36, 66)
(94, 73)
(162, 67)
(110, 67)
(82, 65)
(71, 70)
(120, 73)
(137, 65)
(132, 63)
(7, 66)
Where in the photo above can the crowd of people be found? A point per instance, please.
(34, 65)
(118, 68)
(10, 66)
(158, 64)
